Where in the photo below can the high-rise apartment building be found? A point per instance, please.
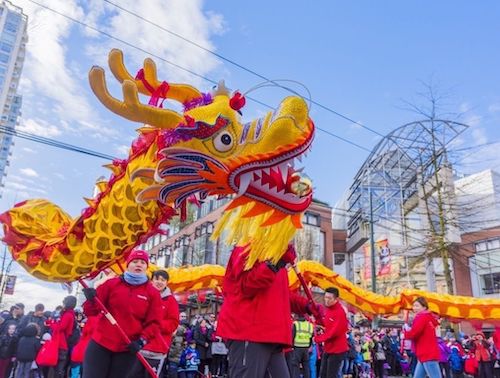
(13, 38)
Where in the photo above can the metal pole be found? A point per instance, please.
(372, 246)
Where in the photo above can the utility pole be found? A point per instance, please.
(372, 246)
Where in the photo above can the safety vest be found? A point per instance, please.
(303, 334)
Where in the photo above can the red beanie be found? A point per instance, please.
(138, 255)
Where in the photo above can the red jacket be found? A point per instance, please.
(423, 334)
(64, 328)
(78, 351)
(336, 327)
(169, 322)
(257, 303)
(137, 309)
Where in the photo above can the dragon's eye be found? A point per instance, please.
(223, 141)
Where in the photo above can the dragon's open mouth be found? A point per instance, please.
(271, 180)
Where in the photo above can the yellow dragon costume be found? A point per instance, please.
(205, 150)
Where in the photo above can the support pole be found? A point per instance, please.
(372, 247)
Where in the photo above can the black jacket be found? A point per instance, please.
(31, 318)
(8, 346)
(29, 344)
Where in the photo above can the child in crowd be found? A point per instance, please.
(189, 361)
(8, 345)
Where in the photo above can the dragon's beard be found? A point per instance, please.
(262, 242)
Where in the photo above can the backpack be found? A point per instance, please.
(75, 335)
(456, 362)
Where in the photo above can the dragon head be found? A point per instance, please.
(208, 150)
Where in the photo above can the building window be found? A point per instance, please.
(491, 283)
(488, 245)
(312, 219)
(10, 27)
(338, 258)
(4, 58)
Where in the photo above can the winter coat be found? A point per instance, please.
(190, 359)
(8, 345)
(444, 351)
(336, 326)
(423, 335)
(168, 324)
(481, 351)
(176, 347)
(64, 327)
(31, 318)
(136, 308)
(203, 336)
(256, 302)
(28, 345)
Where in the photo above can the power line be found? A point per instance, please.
(54, 143)
(181, 67)
(236, 64)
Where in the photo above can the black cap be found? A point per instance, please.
(19, 305)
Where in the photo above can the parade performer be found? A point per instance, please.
(61, 331)
(423, 335)
(136, 305)
(255, 315)
(334, 335)
(157, 349)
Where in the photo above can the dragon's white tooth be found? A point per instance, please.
(244, 182)
(299, 158)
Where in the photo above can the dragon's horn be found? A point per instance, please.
(131, 108)
(180, 92)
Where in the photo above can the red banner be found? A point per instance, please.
(10, 284)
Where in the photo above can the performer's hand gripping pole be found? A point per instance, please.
(113, 321)
(306, 288)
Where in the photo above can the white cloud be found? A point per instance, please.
(473, 120)
(24, 188)
(60, 176)
(29, 150)
(494, 108)
(185, 18)
(39, 127)
(122, 150)
(30, 172)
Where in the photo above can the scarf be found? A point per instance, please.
(135, 279)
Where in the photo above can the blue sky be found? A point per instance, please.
(361, 59)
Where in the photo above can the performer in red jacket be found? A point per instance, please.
(255, 316)
(136, 305)
(156, 350)
(334, 336)
(423, 335)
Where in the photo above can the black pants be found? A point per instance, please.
(254, 360)
(485, 369)
(139, 371)
(219, 364)
(300, 356)
(331, 364)
(61, 369)
(100, 362)
(379, 368)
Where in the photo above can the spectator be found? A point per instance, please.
(8, 346)
(176, 348)
(189, 361)
(379, 358)
(62, 330)
(202, 336)
(27, 349)
(36, 317)
(483, 356)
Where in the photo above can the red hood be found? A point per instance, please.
(429, 317)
